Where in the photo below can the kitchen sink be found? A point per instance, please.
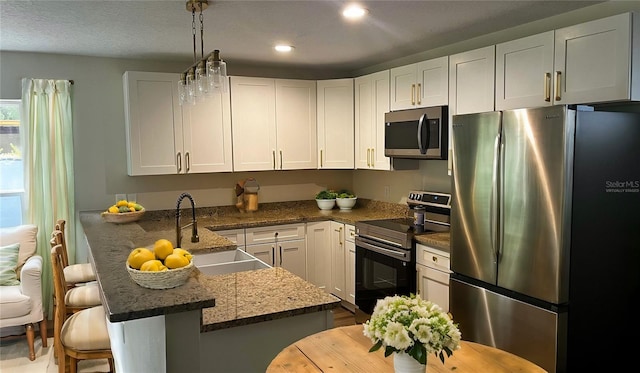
(230, 261)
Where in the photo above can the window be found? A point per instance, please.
(11, 166)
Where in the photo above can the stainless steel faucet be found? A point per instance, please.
(193, 224)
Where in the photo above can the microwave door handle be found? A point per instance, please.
(420, 124)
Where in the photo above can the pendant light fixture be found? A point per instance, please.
(208, 75)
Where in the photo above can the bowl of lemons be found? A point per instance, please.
(123, 212)
(160, 267)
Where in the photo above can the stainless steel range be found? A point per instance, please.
(385, 250)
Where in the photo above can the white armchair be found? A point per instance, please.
(21, 304)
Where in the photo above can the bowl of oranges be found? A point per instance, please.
(123, 212)
(160, 267)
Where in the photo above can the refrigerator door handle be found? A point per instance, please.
(494, 197)
(500, 230)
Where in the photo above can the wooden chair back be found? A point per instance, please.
(61, 314)
(60, 226)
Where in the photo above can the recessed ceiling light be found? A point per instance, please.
(354, 11)
(283, 48)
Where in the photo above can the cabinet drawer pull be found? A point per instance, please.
(547, 87)
(434, 259)
(558, 85)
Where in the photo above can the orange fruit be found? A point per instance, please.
(162, 248)
(138, 256)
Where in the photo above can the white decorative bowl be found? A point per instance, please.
(346, 203)
(326, 204)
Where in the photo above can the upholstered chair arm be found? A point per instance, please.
(31, 279)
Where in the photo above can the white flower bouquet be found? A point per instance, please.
(414, 326)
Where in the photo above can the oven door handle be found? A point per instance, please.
(383, 251)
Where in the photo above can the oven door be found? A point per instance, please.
(381, 270)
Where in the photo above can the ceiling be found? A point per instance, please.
(246, 31)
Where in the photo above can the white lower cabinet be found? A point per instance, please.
(432, 267)
(279, 246)
(350, 261)
(319, 254)
(234, 235)
(338, 255)
(331, 258)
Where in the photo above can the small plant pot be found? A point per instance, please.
(326, 204)
(346, 203)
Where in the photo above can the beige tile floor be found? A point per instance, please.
(14, 358)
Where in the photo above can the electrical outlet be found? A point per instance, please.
(386, 193)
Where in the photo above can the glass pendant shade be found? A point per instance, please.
(217, 73)
(190, 96)
(201, 82)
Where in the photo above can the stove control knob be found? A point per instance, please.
(418, 197)
(412, 195)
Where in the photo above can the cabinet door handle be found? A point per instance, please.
(273, 152)
(419, 93)
(179, 161)
(373, 158)
(558, 85)
(547, 87)
(320, 158)
(187, 160)
(339, 235)
(273, 256)
(281, 159)
(280, 255)
(368, 157)
(413, 90)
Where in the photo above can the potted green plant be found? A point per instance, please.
(345, 199)
(326, 199)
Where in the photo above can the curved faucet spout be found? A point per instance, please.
(193, 224)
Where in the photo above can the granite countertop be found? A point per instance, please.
(227, 300)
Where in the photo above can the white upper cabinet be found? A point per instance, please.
(471, 81)
(154, 122)
(524, 70)
(594, 61)
(335, 124)
(253, 118)
(274, 124)
(371, 103)
(165, 138)
(586, 63)
(421, 84)
(206, 136)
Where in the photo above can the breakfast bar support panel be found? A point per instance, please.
(250, 348)
(183, 341)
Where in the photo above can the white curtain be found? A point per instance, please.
(48, 159)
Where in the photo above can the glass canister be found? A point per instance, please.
(418, 215)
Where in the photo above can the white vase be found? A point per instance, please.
(404, 363)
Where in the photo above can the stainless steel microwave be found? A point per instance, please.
(417, 133)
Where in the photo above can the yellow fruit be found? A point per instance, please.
(182, 252)
(122, 202)
(176, 261)
(138, 256)
(113, 209)
(132, 209)
(131, 204)
(162, 248)
(153, 266)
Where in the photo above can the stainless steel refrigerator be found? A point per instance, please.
(545, 233)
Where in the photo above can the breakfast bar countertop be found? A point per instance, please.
(226, 300)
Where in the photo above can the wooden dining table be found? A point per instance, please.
(346, 349)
